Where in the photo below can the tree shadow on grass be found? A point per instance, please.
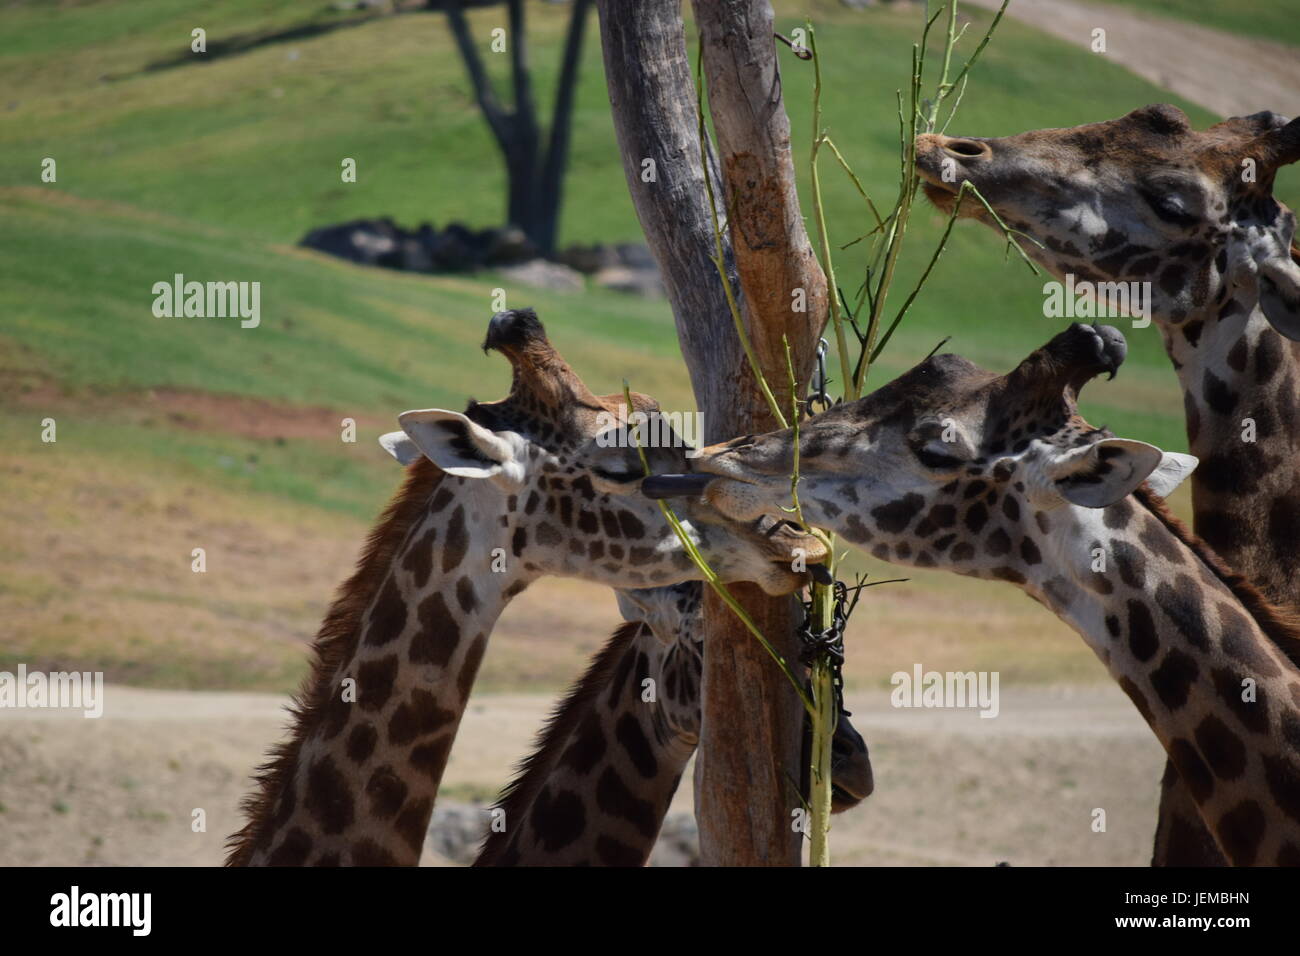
(324, 22)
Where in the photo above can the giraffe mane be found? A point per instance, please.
(549, 744)
(335, 643)
(1280, 624)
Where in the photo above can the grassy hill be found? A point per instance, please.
(173, 431)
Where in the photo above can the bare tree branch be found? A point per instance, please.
(498, 119)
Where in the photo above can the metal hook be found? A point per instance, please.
(817, 387)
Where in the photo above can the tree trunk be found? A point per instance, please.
(785, 288)
(521, 178)
(748, 769)
(551, 189)
(525, 139)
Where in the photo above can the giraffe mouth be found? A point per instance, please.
(943, 164)
(928, 170)
(940, 197)
(776, 536)
(943, 196)
(781, 537)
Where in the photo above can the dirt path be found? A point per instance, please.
(953, 788)
(1228, 74)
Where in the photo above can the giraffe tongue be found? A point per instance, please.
(821, 574)
(674, 486)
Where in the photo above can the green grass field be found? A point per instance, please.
(214, 169)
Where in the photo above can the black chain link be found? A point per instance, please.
(829, 642)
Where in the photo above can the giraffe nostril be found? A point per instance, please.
(967, 148)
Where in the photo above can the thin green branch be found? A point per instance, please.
(823, 731)
(710, 576)
(918, 116)
(988, 35)
(938, 251)
(1007, 231)
(819, 213)
(880, 224)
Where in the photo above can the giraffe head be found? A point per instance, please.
(675, 615)
(952, 466)
(554, 466)
(1143, 198)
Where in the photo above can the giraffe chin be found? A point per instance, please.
(942, 199)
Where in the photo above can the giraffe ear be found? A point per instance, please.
(461, 447)
(1279, 294)
(1171, 472)
(1102, 473)
(645, 606)
(400, 446)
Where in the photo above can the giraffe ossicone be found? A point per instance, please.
(1028, 492)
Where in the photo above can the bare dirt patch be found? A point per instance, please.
(1228, 74)
(952, 788)
(238, 415)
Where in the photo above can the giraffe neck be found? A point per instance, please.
(396, 659)
(598, 785)
(1187, 641)
(1233, 367)
(1239, 379)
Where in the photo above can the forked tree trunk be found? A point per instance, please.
(535, 182)
(551, 184)
(748, 768)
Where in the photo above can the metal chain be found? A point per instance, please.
(830, 641)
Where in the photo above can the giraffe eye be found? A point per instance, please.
(1169, 206)
(940, 445)
(938, 460)
(616, 475)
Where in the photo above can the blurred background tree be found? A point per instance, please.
(535, 173)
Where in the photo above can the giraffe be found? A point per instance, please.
(1145, 198)
(606, 750)
(998, 477)
(493, 499)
